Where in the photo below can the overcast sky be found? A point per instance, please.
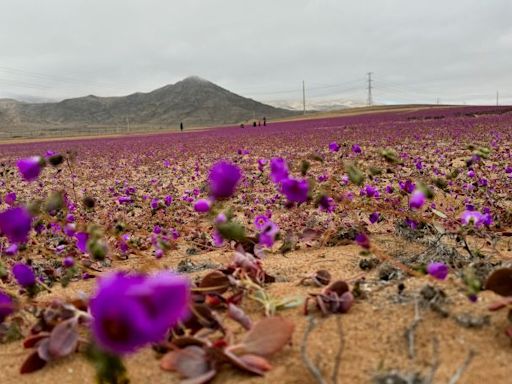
(454, 50)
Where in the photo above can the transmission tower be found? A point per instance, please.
(370, 87)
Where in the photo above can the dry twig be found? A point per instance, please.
(409, 332)
(458, 373)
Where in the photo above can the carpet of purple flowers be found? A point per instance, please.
(198, 246)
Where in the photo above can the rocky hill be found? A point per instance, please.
(194, 101)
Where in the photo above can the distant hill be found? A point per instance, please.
(194, 101)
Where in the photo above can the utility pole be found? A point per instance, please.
(370, 87)
(497, 98)
(303, 97)
(437, 101)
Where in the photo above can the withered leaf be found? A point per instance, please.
(215, 281)
(168, 361)
(31, 341)
(32, 363)
(237, 314)
(503, 303)
(250, 363)
(267, 336)
(63, 339)
(191, 362)
(500, 282)
(204, 378)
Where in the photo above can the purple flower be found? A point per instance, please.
(356, 148)
(475, 218)
(6, 306)
(221, 218)
(374, 217)
(261, 164)
(268, 234)
(24, 275)
(11, 250)
(10, 198)
(407, 186)
(68, 262)
(124, 200)
(437, 270)
(322, 178)
(362, 240)
(411, 223)
(175, 234)
(334, 147)
(30, 168)
(223, 179)
(70, 229)
(167, 200)
(81, 241)
(15, 223)
(260, 222)
(278, 169)
(471, 173)
(218, 240)
(130, 311)
(327, 204)
(154, 203)
(370, 191)
(295, 190)
(202, 205)
(417, 199)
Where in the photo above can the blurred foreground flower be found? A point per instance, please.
(438, 270)
(476, 218)
(6, 306)
(295, 190)
(15, 223)
(30, 168)
(202, 206)
(223, 179)
(278, 169)
(130, 311)
(417, 199)
(24, 275)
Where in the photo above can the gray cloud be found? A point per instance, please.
(457, 50)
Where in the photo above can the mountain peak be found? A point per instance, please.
(194, 79)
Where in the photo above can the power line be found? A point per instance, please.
(303, 97)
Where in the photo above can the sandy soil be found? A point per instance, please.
(373, 331)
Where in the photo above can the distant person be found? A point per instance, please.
(242, 125)
(181, 126)
(254, 123)
(259, 123)
(264, 121)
